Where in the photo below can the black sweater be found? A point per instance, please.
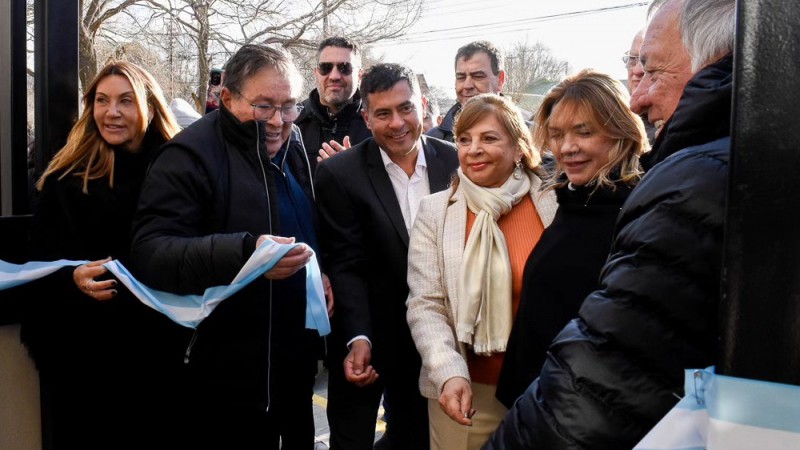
(561, 271)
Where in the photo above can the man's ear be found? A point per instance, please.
(501, 80)
(424, 105)
(365, 115)
(226, 97)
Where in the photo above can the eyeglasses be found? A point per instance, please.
(630, 60)
(344, 68)
(266, 112)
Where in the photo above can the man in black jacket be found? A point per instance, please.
(212, 195)
(612, 373)
(332, 111)
(367, 200)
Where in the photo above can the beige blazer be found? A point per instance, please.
(434, 260)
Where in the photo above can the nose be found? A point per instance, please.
(568, 145)
(396, 120)
(639, 99)
(113, 109)
(276, 120)
(468, 83)
(335, 74)
(475, 147)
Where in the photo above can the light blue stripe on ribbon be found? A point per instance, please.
(755, 403)
(12, 275)
(190, 310)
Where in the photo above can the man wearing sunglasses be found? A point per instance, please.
(331, 117)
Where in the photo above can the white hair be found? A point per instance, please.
(653, 7)
(708, 30)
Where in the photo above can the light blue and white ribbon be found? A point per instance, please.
(721, 412)
(190, 310)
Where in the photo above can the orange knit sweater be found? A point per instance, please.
(522, 228)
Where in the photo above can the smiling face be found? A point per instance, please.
(487, 152)
(581, 149)
(116, 113)
(474, 76)
(666, 64)
(395, 119)
(266, 87)
(337, 89)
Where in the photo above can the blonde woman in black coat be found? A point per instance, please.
(97, 347)
(596, 141)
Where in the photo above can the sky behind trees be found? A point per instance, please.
(585, 33)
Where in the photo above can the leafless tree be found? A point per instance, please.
(528, 65)
(191, 36)
(95, 15)
(218, 27)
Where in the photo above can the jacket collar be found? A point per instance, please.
(242, 135)
(313, 107)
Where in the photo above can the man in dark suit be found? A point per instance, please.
(367, 199)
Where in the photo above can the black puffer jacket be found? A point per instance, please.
(318, 127)
(611, 374)
(205, 201)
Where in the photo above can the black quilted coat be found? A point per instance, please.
(612, 373)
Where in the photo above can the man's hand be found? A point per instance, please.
(456, 400)
(356, 365)
(291, 262)
(333, 148)
(326, 287)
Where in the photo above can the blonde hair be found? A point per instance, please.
(86, 153)
(604, 102)
(509, 117)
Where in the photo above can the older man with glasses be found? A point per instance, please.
(213, 194)
(635, 74)
(331, 119)
(631, 61)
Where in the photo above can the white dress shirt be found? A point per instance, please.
(409, 190)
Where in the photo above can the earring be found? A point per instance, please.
(518, 170)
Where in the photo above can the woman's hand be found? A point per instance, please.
(456, 400)
(84, 277)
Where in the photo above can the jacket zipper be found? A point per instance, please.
(189, 348)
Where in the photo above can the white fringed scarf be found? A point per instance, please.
(484, 283)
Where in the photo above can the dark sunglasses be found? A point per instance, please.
(344, 68)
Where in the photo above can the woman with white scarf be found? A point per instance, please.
(466, 256)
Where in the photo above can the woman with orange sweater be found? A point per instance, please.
(467, 252)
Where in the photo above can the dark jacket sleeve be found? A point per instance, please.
(614, 372)
(343, 243)
(173, 247)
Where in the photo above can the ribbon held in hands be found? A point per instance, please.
(190, 310)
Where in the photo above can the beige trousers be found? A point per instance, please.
(447, 434)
